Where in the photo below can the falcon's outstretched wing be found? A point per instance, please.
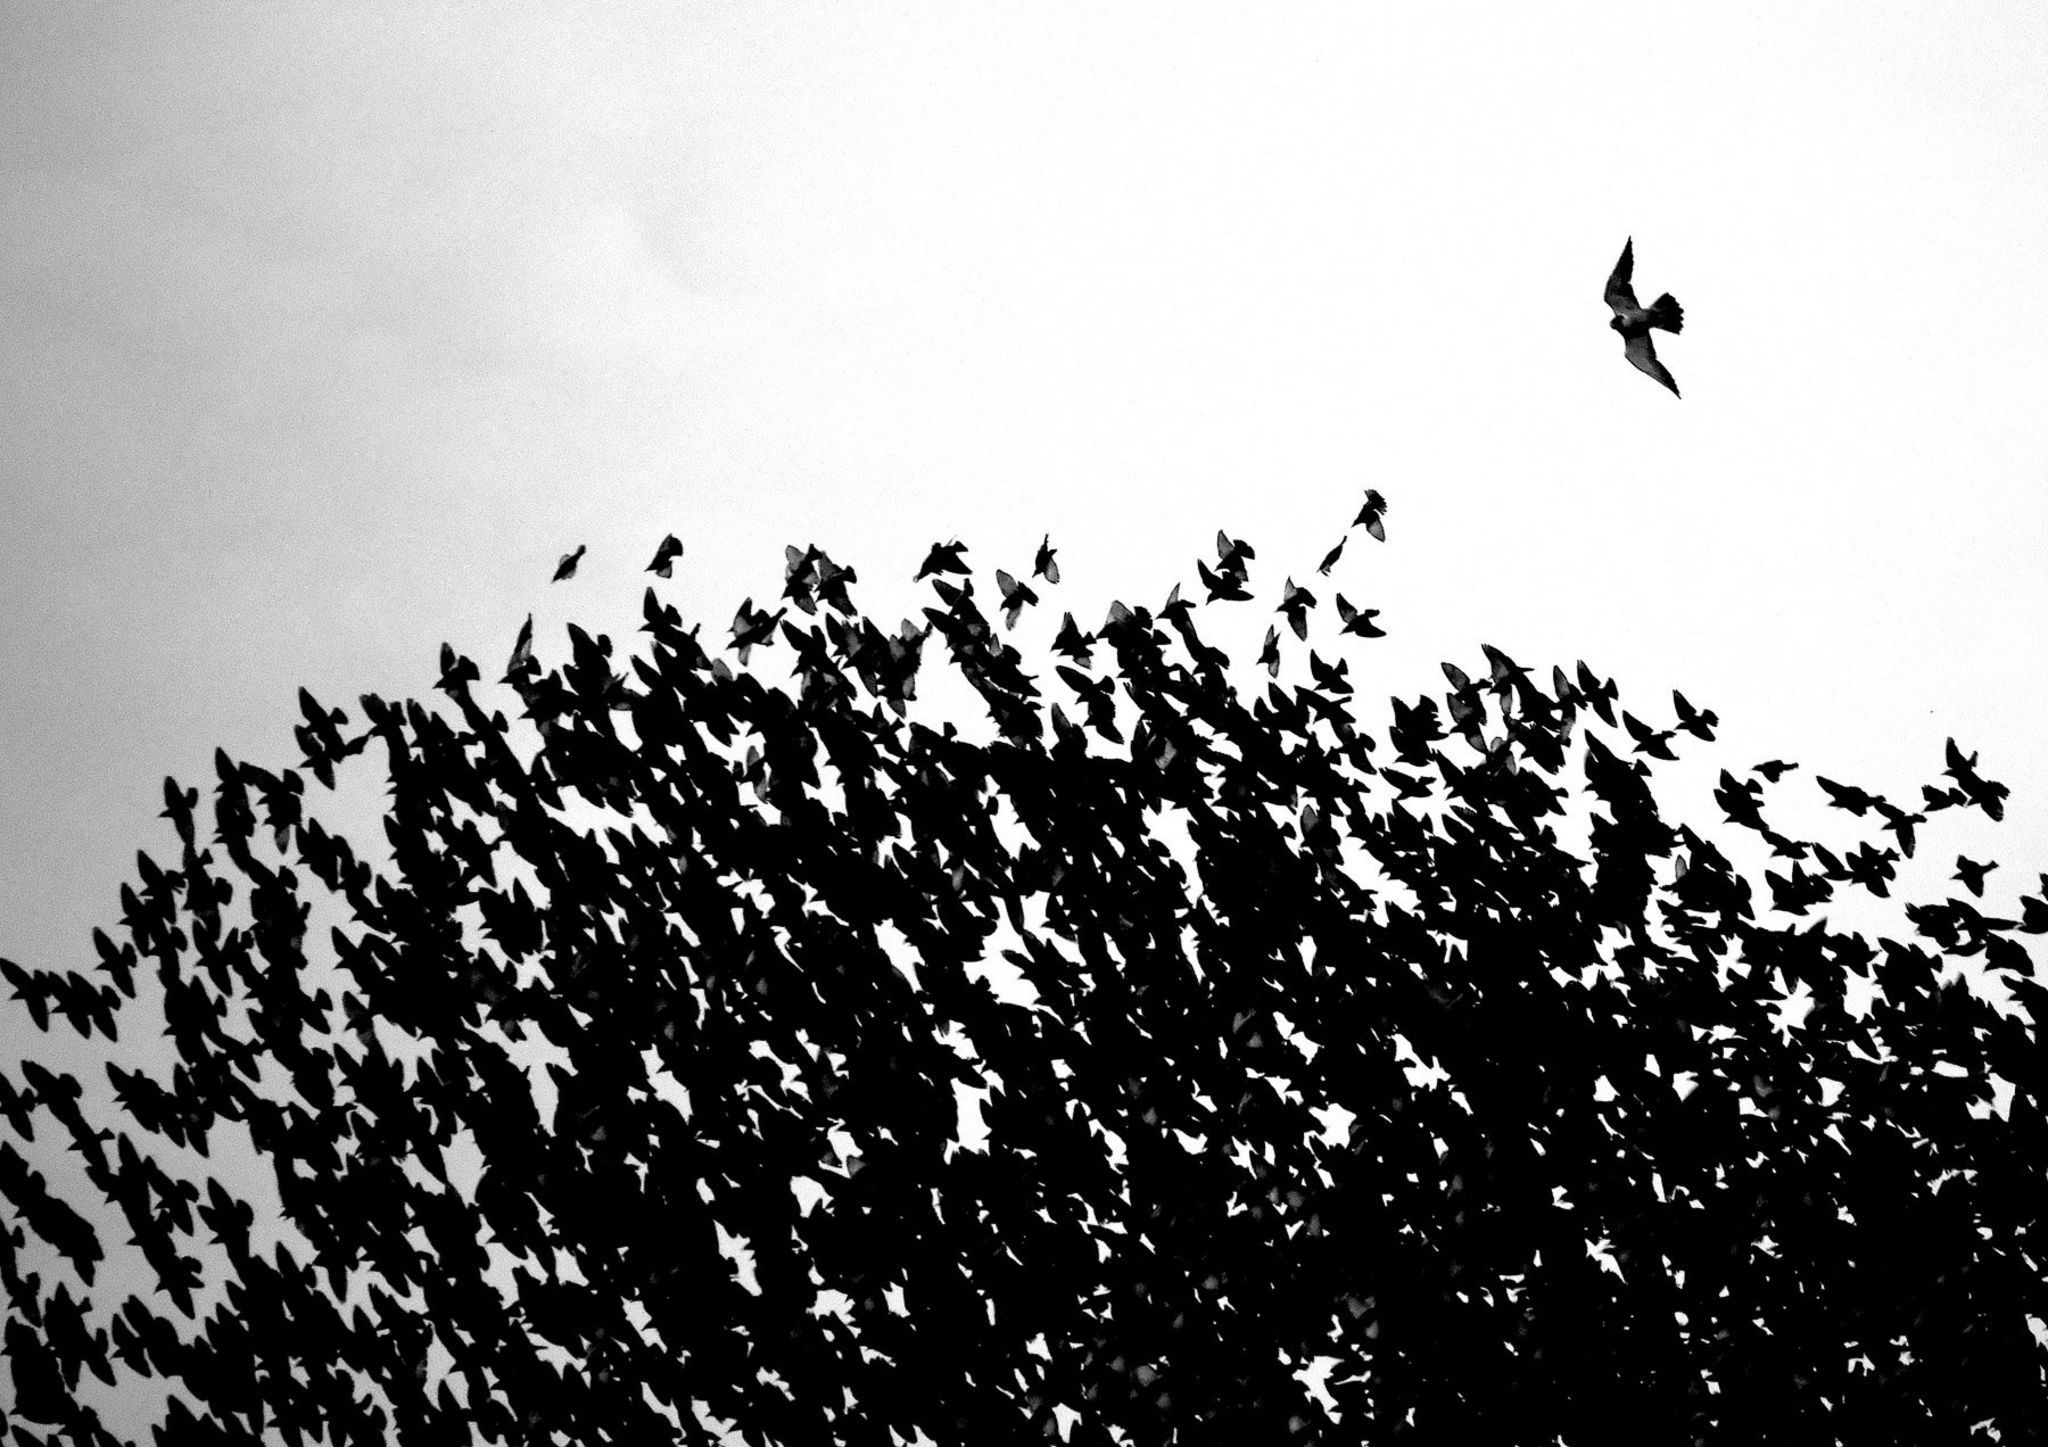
(1620, 295)
(1644, 356)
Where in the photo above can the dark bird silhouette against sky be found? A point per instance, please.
(1635, 321)
(1016, 597)
(1223, 587)
(522, 648)
(566, 568)
(664, 564)
(1358, 620)
(1972, 873)
(1372, 516)
(943, 558)
(1295, 603)
(1045, 565)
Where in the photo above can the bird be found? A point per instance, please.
(1071, 641)
(566, 569)
(1232, 554)
(1699, 722)
(943, 558)
(1986, 794)
(1359, 620)
(522, 648)
(1372, 515)
(1971, 873)
(1654, 742)
(665, 557)
(1044, 566)
(1226, 587)
(1270, 654)
(1634, 321)
(1295, 603)
(1016, 597)
(1846, 796)
(751, 626)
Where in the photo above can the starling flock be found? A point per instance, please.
(1336, 1098)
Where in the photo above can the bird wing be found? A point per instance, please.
(1620, 295)
(1644, 356)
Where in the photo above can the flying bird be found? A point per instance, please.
(752, 626)
(1016, 597)
(1634, 321)
(664, 564)
(1359, 620)
(1044, 566)
(1295, 603)
(1654, 742)
(1072, 641)
(1232, 554)
(1226, 587)
(1699, 722)
(1971, 873)
(1600, 696)
(1372, 516)
(522, 648)
(943, 558)
(566, 569)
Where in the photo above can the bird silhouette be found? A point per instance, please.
(1699, 722)
(1295, 603)
(566, 568)
(943, 558)
(1372, 516)
(1232, 554)
(1016, 597)
(665, 557)
(1971, 873)
(1634, 321)
(1359, 620)
(1044, 565)
(1071, 641)
(1223, 587)
(1986, 794)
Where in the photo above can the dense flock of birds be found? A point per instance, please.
(1331, 1097)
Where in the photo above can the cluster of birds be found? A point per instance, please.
(1632, 320)
(755, 951)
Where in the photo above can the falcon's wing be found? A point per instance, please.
(1644, 356)
(1620, 295)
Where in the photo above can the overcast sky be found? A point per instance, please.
(325, 329)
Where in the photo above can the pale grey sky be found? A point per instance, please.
(327, 328)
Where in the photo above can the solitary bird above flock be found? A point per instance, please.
(1634, 321)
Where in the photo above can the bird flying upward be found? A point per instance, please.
(1634, 321)
(664, 564)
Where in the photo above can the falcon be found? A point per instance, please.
(1634, 321)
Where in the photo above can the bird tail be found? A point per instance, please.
(1665, 312)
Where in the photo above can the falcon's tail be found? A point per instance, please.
(1665, 312)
